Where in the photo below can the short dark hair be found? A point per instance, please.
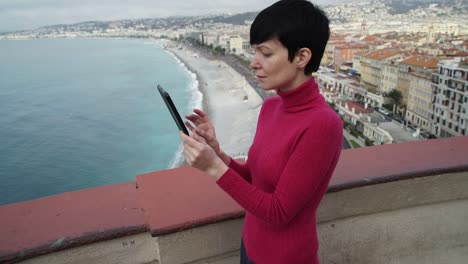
(296, 24)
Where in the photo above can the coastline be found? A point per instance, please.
(201, 82)
(230, 102)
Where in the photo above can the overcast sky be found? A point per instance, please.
(31, 14)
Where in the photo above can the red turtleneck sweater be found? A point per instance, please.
(294, 153)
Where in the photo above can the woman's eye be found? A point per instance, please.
(267, 54)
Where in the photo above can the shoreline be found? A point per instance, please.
(179, 160)
(230, 102)
(201, 82)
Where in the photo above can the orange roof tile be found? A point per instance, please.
(370, 39)
(422, 61)
(381, 54)
(358, 109)
(352, 46)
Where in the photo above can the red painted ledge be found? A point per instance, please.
(171, 200)
(183, 198)
(385, 163)
(66, 220)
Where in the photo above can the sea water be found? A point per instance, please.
(80, 113)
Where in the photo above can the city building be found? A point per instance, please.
(419, 100)
(371, 67)
(415, 63)
(345, 87)
(450, 98)
(365, 120)
(344, 53)
(389, 76)
(235, 44)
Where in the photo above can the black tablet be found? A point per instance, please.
(172, 109)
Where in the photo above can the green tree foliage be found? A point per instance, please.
(396, 96)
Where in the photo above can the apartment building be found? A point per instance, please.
(371, 67)
(235, 44)
(344, 53)
(357, 61)
(328, 58)
(210, 39)
(364, 120)
(223, 42)
(450, 98)
(197, 35)
(339, 85)
(419, 100)
(416, 63)
(389, 76)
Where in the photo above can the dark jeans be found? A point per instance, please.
(244, 259)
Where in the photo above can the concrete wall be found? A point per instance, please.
(217, 243)
(418, 220)
(136, 249)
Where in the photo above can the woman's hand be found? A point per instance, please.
(200, 155)
(204, 128)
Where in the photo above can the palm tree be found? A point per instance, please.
(396, 96)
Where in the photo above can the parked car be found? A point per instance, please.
(384, 111)
(396, 118)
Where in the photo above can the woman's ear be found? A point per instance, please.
(303, 56)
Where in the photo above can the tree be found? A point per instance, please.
(396, 96)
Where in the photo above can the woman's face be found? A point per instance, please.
(272, 67)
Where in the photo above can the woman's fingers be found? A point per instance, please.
(194, 119)
(198, 137)
(188, 156)
(194, 151)
(199, 112)
(200, 132)
(189, 126)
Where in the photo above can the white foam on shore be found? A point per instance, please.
(195, 102)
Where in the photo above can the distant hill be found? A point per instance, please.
(238, 19)
(404, 6)
(455, 7)
(154, 23)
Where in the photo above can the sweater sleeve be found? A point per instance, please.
(241, 169)
(311, 164)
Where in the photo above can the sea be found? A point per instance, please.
(81, 113)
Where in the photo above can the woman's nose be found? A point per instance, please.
(254, 63)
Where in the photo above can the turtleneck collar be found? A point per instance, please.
(300, 98)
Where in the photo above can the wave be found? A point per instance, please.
(196, 101)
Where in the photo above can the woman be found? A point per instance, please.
(296, 146)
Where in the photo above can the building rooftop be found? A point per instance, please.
(358, 109)
(422, 61)
(455, 63)
(381, 54)
(399, 132)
